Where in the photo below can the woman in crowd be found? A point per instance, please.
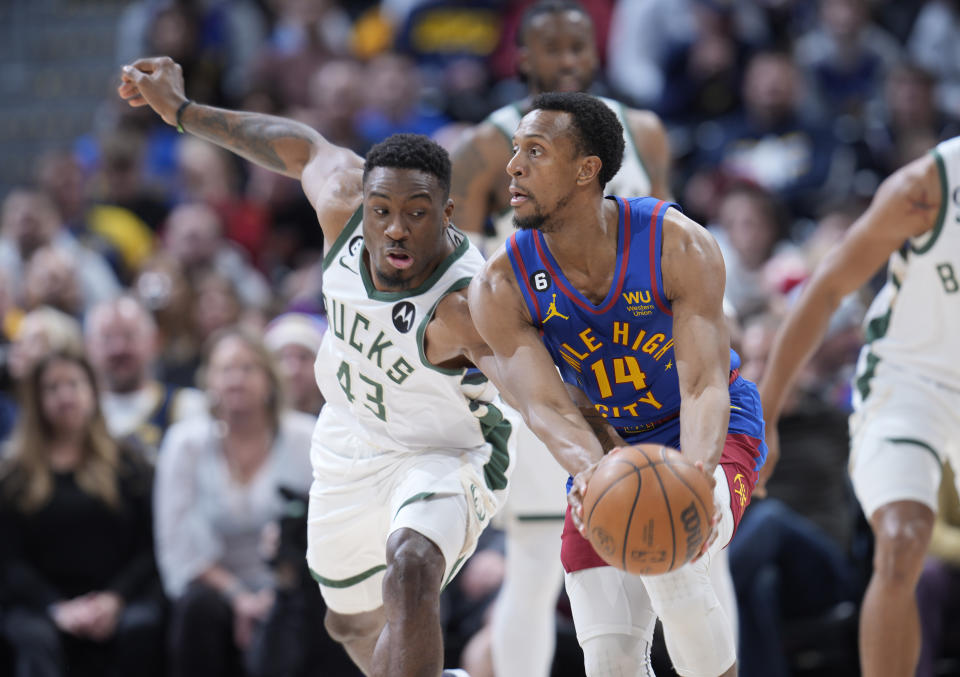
(79, 585)
(218, 481)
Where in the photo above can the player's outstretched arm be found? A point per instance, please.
(478, 184)
(906, 205)
(652, 143)
(279, 144)
(693, 281)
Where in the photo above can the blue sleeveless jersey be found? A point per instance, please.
(620, 351)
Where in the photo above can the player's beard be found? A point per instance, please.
(539, 220)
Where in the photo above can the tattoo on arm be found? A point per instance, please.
(252, 135)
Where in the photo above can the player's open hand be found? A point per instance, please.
(714, 519)
(575, 497)
(155, 82)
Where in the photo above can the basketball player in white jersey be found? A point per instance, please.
(906, 420)
(557, 52)
(410, 454)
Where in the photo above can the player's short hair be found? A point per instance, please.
(595, 127)
(411, 151)
(546, 7)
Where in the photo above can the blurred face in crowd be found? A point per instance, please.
(62, 177)
(30, 220)
(770, 87)
(67, 397)
(750, 225)
(51, 279)
(238, 381)
(843, 19)
(336, 91)
(193, 235)
(121, 343)
(295, 364)
(908, 93)
(405, 215)
(558, 52)
(392, 84)
(205, 172)
(216, 305)
(41, 332)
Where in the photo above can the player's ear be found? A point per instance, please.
(447, 212)
(589, 168)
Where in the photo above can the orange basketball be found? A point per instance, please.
(647, 509)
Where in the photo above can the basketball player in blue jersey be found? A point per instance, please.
(411, 454)
(625, 297)
(556, 52)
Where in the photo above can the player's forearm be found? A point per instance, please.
(569, 438)
(795, 342)
(704, 420)
(279, 144)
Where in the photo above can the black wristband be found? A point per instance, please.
(183, 107)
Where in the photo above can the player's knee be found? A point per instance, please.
(616, 655)
(902, 535)
(415, 566)
(348, 628)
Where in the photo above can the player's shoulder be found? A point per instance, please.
(338, 200)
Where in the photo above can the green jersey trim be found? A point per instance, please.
(496, 431)
(918, 443)
(347, 582)
(342, 238)
(863, 380)
(944, 198)
(559, 517)
(422, 496)
(377, 295)
(422, 329)
(633, 142)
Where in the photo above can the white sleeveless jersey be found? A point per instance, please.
(372, 368)
(631, 180)
(913, 324)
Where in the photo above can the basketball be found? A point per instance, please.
(647, 509)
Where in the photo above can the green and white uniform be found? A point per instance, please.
(400, 442)
(906, 419)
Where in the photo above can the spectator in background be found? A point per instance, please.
(217, 488)
(904, 125)
(121, 340)
(394, 101)
(163, 289)
(768, 143)
(294, 339)
(792, 558)
(748, 229)
(938, 592)
(217, 305)
(336, 94)
(43, 331)
(933, 44)
(80, 589)
(194, 237)
(846, 57)
(208, 175)
(29, 222)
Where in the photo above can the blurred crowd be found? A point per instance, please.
(160, 308)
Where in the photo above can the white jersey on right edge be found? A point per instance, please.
(913, 324)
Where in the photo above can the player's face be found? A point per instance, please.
(405, 216)
(559, 54)
(543, 170)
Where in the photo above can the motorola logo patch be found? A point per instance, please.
(403, 315)
(356, 242)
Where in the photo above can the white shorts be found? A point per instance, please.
(538, 485)
(900, 437)
(358, 498)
